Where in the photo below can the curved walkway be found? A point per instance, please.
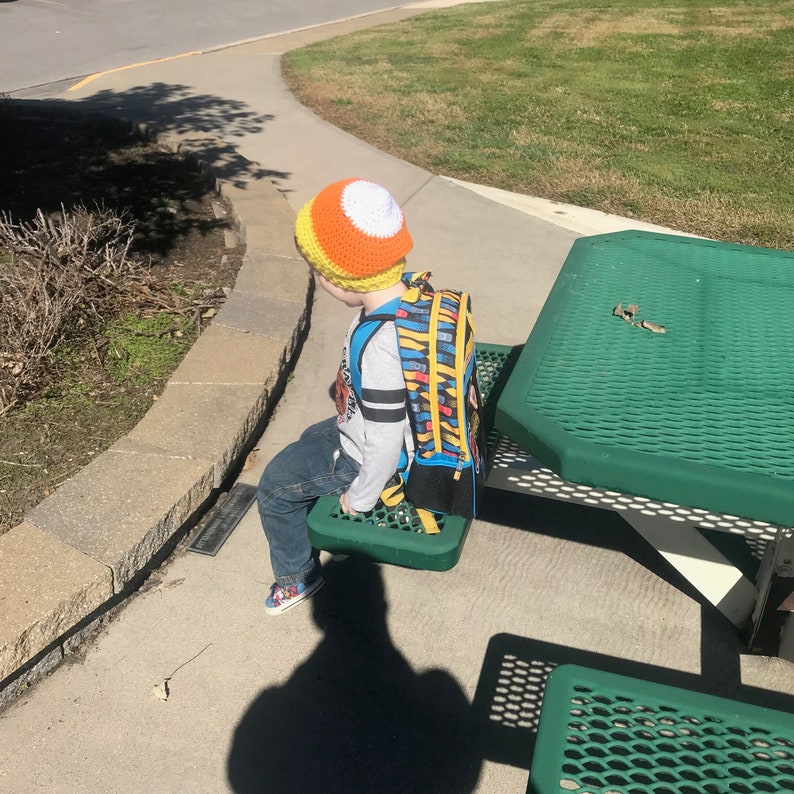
(193, 659)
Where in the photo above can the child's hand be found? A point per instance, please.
(346, 508)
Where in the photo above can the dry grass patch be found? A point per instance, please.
(583, 29)
(746, 20)
(588, 28)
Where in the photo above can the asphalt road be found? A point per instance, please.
(44, 41)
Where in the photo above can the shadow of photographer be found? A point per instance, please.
(355, 716)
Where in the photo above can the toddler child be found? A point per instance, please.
(353, 235)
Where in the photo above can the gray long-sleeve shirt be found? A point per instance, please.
(375, 430)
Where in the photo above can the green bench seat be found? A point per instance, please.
(602, 732)
(394, 534)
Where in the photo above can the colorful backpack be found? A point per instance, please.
(435, 333)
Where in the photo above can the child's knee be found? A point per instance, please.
(270, 481)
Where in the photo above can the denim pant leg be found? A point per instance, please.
(314, 465)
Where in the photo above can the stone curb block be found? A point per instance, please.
(122, 507)
(86, 544)
(47, 585)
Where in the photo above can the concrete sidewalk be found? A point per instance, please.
(392, 679)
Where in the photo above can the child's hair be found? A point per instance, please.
(353, 233)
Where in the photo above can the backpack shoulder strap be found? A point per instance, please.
(369, 325)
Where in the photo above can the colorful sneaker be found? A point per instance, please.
(282, 598)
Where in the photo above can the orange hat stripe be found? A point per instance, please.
(348, 257)
(361, 253)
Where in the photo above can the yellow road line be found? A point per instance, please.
(92, 77)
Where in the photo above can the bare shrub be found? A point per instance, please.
(59, 271)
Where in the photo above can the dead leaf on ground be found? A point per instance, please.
(250, 459)
(161, 691)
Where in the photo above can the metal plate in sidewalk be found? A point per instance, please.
(226, 518)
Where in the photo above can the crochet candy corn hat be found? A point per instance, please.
(353, 233)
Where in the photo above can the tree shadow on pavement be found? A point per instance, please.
(355, 717)
(207, 125)
(82, 152)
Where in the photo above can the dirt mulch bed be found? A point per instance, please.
(54, 158)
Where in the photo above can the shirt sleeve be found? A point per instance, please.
(383, 410)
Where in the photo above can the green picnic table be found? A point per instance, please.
(663, 366)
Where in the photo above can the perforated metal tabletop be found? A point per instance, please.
(700, 415)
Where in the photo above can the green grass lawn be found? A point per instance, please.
(678, 113)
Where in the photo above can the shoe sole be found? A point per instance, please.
(307, 593)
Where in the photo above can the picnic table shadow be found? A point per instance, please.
(355, 716)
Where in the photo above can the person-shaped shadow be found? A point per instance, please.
(355, 717)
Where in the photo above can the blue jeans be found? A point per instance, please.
(315, 465)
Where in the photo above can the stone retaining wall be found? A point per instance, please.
(86, 547)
